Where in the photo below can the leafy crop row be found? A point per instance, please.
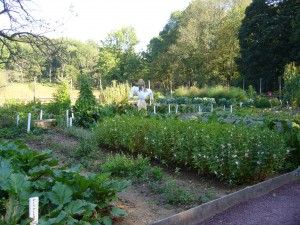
(233, 153)
(66, 195)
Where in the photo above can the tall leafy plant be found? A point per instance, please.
(86, 108)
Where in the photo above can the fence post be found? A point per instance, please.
(34, 91)
(28, 122)
(279, 81)
(260, 81)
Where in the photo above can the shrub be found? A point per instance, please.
(86, 109)
(262, 102)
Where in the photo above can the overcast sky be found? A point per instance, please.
(94, 19)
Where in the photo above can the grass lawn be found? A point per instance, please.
(25, 92)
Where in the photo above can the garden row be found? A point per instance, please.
(258, 102)
(232, 153)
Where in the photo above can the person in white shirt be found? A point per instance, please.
(142, 94)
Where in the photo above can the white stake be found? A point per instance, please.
(72, 115)
(154, 109)
(211, 107)
(18, 119)
(71, 121)
(224, 108)
(34, 210)
(67, 117)
(176, 108)
(169, 108)
(28, 122)
(41, 114)
(200, 109)
(230, 108)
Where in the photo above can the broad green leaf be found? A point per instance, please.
(14, 211)
(60, 219)
(5, 172)
(19, 186)
(107, 220)
(60, 194)
(118, 212)
(75, 207)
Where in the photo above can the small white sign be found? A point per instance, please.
(34, 210)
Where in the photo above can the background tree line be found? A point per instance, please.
(210, 42)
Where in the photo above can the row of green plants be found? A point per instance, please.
(258, 101)
(215, 92)
(66, 196)
(136, 169)
(232, 153)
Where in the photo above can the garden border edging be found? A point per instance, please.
(200, 213)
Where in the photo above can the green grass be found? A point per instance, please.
(25, 92)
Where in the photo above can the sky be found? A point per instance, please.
(94, 19)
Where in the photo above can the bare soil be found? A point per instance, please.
(142, 205)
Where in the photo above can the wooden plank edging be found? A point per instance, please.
(200, 213)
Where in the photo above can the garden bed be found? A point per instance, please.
(143, 206)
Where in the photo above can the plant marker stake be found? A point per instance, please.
(71, 121)
(18, 119)
(211, 107)
(34, 210)
(154, 109)
(224, 108)
(199, 109)
(230, 108)
(67, 117)
(41, 114)
(28, 122)
(72, 115)
(169, 108)
(176, 108)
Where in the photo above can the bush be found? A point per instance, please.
(86, 109)
(262, 102)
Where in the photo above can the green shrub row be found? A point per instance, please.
(233, 153)
(66, 196)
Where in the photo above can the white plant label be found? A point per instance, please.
(34, 210)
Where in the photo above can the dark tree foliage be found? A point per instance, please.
(265, 41)
(18, 25)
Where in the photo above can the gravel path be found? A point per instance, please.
(279, 207)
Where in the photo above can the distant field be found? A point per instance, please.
(25, 92)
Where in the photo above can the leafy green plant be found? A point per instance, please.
(292, 85)
(124, 166)
(233, 153)
(62, 100)
(66, 196)
(86, 109)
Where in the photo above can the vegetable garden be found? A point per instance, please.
(234, 140)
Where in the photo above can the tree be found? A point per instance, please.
(265, 46)
(18, 25)
(118, 59)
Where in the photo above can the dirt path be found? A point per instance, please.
(279, 207)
